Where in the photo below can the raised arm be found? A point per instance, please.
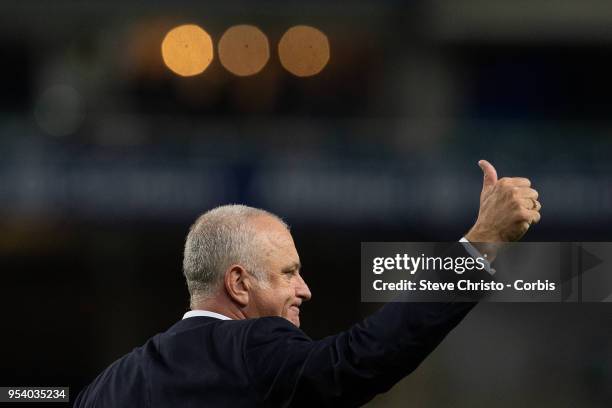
(350, 368)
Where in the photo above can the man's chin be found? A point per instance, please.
(293, 315)
(293, 319)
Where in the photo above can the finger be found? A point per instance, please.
(489, 175)
(530, 204)
(518, 181)
(525, 226)
(526, 192)
(535, 216)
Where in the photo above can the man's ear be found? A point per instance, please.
(237, 284)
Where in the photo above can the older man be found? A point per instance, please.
(240, 345)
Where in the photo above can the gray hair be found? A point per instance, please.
(218, 239)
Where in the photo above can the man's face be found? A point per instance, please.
(286, 290)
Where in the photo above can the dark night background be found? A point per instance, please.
(107, 157)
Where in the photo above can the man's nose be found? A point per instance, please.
(302, 291)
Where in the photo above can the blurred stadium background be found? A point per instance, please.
(108, 156)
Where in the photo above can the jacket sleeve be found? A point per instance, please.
(350, 368)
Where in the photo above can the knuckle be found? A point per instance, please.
(523, 214)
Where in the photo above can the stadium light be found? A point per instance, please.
(243, 50)
(187, 50)
(303, 51)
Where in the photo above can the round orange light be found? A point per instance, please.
(303, 51)
(244, 50)
(187, 50)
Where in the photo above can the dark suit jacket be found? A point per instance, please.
(268, 362)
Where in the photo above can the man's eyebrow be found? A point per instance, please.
(296, 266)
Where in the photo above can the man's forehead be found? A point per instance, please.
(273, 234)
(269, 225)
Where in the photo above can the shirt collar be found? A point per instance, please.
(205, 313)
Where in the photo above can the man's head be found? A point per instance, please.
(244, 258)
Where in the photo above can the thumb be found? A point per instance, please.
(490, 175)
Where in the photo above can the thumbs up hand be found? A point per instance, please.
(508, 207)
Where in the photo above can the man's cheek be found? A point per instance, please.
(288, 312)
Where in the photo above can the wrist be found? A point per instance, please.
(482, 235)
(487, 243)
